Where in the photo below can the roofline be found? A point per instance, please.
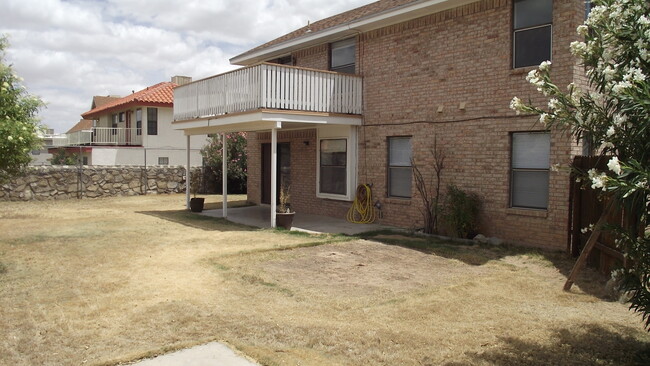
(375, 21)
(122, 107)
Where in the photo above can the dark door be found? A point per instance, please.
(284, 170)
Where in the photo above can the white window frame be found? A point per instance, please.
(349, 134)
(524, 29)
(390, 167)
(514, 170)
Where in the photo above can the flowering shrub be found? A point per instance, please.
(19, 127)
(236, 154)
(613, 114)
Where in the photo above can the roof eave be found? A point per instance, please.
(375, 21)
(122, 107)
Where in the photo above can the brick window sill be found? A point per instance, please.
(397, 201)
(530, 212)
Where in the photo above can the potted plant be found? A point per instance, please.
(284, 214)
(196, 203)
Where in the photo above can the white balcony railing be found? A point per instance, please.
(269, 86)
(101, 136)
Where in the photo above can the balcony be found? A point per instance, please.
(269, 87)
(100, 136)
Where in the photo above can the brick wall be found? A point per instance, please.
(416, 75)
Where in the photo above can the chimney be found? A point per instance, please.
(181, 80)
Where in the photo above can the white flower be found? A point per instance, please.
(609, 72)
(545, 65)
(619, 119)
(643, 20)
(544, 119)
(583, 30)
(599, 181)
(553, 103)
(578, 48)
(614, 165)
(516, 104)
(606, 145)
(610, 131)
(620, 86)
(10, 138)
(555, 167)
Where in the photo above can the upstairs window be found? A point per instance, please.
(399, 167)
(532, 32)
(152, 121)
(530, 169)
(343, 56)
(333, 166)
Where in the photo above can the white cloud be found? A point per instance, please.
(69, 50)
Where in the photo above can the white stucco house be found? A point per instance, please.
(133, 130)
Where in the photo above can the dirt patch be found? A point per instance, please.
(365, 267)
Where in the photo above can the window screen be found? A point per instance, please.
(532, 30)
(530, 170)
(399, 166)
(343, 56)
(333, 166)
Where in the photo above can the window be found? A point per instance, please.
(342, 56)
(399, 167)
(333, 166)
(532, 32)
(138, 121)
(152, 121)
(286, 60)
(122, 116)
(114, 124)
(530, 167)
(163, 160)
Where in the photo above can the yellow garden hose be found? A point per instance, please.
(362, 210)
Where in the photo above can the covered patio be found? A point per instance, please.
(258, 216)
(273, 99)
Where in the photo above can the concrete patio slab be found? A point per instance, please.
(210, 354)
(260, 216)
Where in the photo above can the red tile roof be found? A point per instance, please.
(338, 19)
(83, 124)
(161, 94)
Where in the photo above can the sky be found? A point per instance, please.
(67, 51)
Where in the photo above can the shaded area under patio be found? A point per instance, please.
(259, 216)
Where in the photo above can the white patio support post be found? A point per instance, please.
(224, 175)
(188, 174)
(274, 173)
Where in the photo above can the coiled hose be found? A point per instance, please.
(362, 210)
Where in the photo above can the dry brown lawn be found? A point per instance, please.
(99, 282)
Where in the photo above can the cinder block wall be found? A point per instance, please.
(414, 69)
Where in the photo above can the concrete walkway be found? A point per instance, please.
(211, 354)
(260, 216)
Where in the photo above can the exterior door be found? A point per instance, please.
(284, 170)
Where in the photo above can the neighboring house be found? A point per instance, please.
(352, 98)
(133, 130)
(43, 156)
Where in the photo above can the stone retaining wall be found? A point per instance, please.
(65, 182)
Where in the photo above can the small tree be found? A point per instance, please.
(19, 127)
(236, 154)
(430, 190)
(614, 115)
(61, 157)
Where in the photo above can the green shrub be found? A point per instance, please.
(461, 212)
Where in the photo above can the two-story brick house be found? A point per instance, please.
(352, 98)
